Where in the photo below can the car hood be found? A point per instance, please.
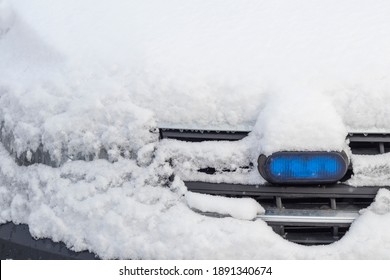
(208, 65)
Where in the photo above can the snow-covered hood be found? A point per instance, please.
(300, 73)
(205, 65)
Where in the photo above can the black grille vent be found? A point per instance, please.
(369, 144)
(360, 143)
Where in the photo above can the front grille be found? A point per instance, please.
(306, 201)
(360, 143)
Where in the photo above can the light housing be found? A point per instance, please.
(303, 167)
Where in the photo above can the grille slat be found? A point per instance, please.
(360, 143)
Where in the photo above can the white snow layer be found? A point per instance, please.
(381, 205)
(119, 210)
(239, 208)
(206, 65)
(75, 121)
(6, 17)
(82, 77)
(371, 170)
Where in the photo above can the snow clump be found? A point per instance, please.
(239, 208)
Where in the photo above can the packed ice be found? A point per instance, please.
(87, 83)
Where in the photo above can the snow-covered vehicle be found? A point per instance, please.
(194, 129)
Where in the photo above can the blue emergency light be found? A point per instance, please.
(303, 167)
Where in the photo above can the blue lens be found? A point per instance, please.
(310, 167)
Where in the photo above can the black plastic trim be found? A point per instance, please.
(284, 191)
(17, 243)
(202, 135)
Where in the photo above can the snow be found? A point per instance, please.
(239, 208)
(94, 79)
(120, 210)
(288, 124)
(6, 18)
(381, 204)
(235, 157)
(371, 170)
(75, 123)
